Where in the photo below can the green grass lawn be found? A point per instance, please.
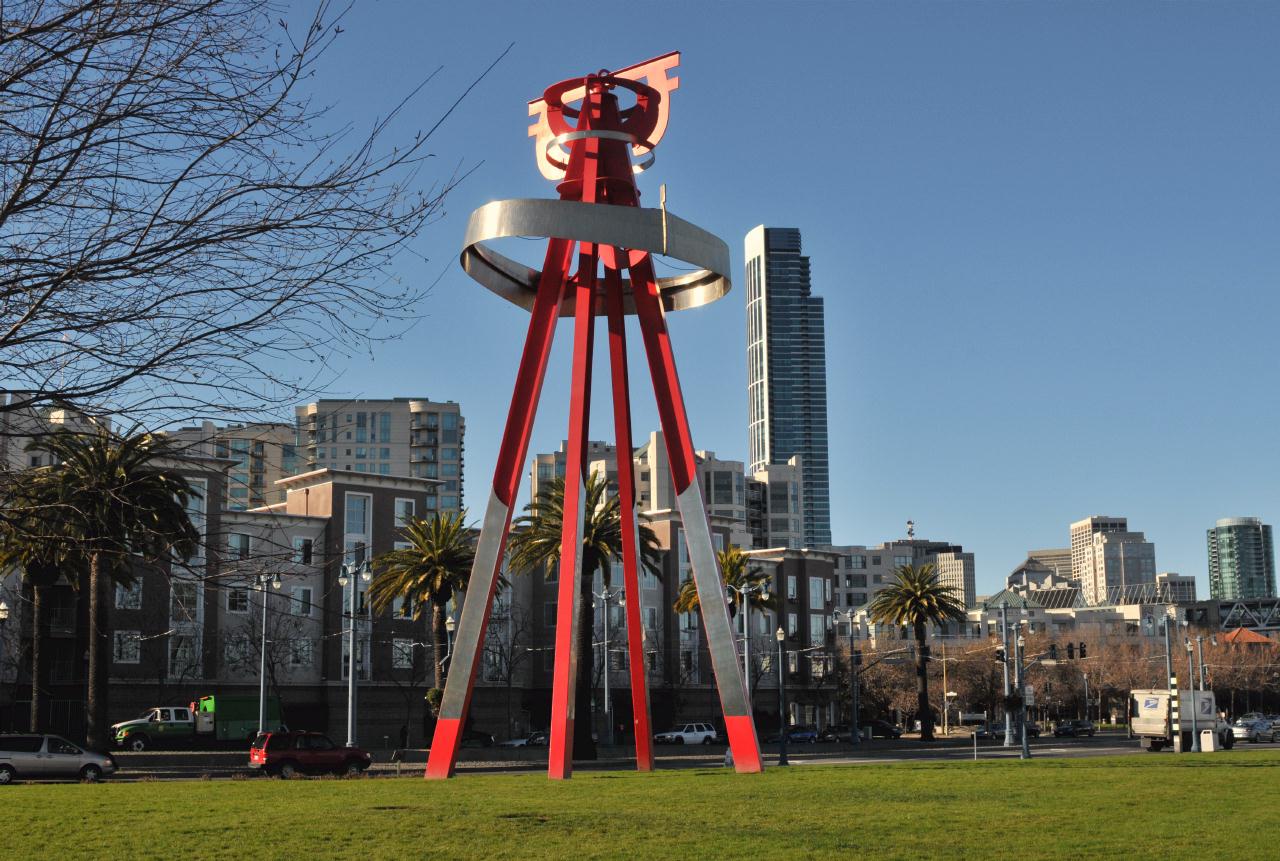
(1153, 806)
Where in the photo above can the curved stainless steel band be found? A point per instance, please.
(624, 227)
(560, 140)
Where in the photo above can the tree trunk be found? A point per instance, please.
(923, 712)
(584, 746)
(39, 663)
(99, 656)
(439, 642)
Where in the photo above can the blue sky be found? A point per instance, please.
(1046, 235)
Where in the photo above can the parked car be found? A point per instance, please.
(537, 739)
(835, 732)
(288, 753)
(690, 733)
(1074, 728)
(882, 729)
(28, 756)
(1254, 731)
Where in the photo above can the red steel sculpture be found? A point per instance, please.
(598, 215)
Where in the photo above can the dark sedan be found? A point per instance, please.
(882, 729)
(1074, 729)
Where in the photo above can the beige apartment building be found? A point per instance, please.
(261, 454)
(414, 437)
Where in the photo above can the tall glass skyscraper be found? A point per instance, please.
(1242, 561)
(787, 370)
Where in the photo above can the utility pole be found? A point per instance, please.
(1195, 706)
(783, 728)
(1022, 696)
(1004, 636)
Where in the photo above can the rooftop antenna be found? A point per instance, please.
(911, 529)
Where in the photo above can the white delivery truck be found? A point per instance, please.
(1151, 720)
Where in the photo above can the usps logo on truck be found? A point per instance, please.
(1206, 706)
(1150, 703)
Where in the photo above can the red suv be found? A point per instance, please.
(289, 753)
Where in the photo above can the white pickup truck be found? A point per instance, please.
(1151, 721)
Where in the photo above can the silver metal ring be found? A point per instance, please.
(603, 134)
(623, 227)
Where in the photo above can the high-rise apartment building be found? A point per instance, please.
(263, 453)
(787, 370)
(1082, 532)
(1120, 569)
(412, 437)
(1242, 562)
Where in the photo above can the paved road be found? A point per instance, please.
(194, 765)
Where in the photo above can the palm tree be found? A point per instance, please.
(917, 598)
(32, 539)
(119, 497)
(535, 545)
(734, 571)
(427, 574)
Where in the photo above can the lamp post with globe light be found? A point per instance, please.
(781, 635)
(350, 572)
(262, 580)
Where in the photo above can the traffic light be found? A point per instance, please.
(1053, 651)
(1071, 651)
(1082, 648)
(1000, 656)
(857, 657)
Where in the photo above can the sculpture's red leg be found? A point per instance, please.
(565, 677)
(706, 572)
(629, 526)
(474, 622)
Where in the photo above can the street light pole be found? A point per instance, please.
(605, 596)
(1022, 691)
(348, 576)
(262, 664)
(1086, 697)
(781, 635)
(1195, 705)
(855, 660)
(1200, 658)
(1004, 638)
(744, 599)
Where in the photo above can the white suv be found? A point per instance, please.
(690, 733)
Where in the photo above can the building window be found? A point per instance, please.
(791, 587)
(128, 647)
(302, 550)
(549, 614)
(899, 561)
(356, 521)
(300, 652)
(875, 560)
(237, 651)
(237, 600)
(817, 598)
(184, 601)
(793, 624)
(129, 597)
(404, 512)
(184, 656)
(857, 561)
(817, 629)
(402, 654)
(300, 604)
(237, 546)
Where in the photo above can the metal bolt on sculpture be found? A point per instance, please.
(599, 214)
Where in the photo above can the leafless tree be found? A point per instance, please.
(177, 214)
(506, 648)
